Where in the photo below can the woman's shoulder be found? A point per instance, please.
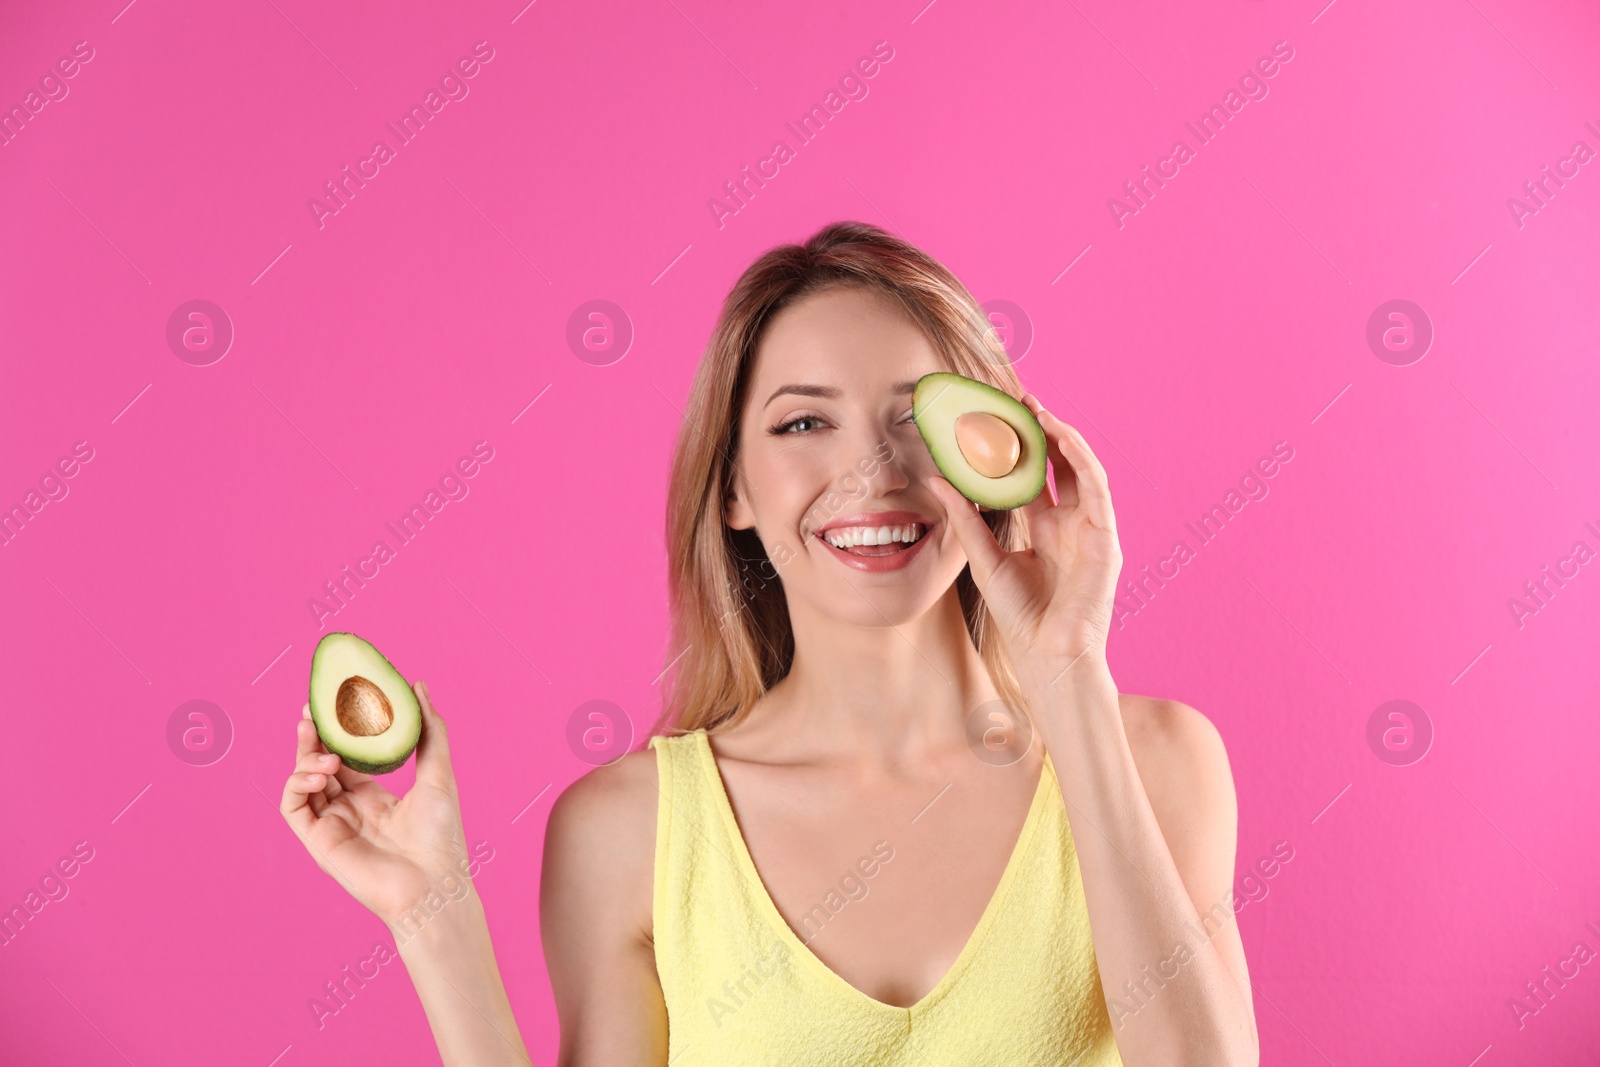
(1165, 727)
(617, 798)
(599, 847)
(617, 801)
(1181, 759)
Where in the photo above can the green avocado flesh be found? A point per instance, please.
(940, 399)
(365, 712)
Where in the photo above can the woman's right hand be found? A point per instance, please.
(388, 852)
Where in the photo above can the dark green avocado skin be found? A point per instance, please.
(373, 768)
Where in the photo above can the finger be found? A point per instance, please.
(308, 782)
(1048, 497)
(1087, 476)
(296, 803)
(344, 777)
(317, 763)
(325, 764)
(348, 778)
(310, 741)
(433, 749)
(1064, 477)
(311, 748)
(316, 785)
(307, 740)
(977, 540)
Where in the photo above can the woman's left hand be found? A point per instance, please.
(1052, 602)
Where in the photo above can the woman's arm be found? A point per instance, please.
(405, 858)
(451, 963)
(595, 917)
(1157, 866)
(1053, 605)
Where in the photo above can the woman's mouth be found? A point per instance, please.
(875, 540)
(875, 548)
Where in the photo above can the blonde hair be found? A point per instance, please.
(730, 635)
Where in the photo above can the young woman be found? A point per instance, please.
(895, 810)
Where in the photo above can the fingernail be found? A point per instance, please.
(316, 779)
(328, 760)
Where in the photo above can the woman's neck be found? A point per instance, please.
(880, 697)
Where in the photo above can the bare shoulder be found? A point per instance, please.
(1183, 764)
(1170, 734)
(595, 897)
(599, 850)
(616, 794)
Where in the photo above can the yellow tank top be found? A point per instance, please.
(743, 990)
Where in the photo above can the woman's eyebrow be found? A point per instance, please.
(827, 391)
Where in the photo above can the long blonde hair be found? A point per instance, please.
(730, 635)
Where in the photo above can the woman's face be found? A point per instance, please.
(828, 452)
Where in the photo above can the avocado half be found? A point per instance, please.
(364, 711)
(940, 399)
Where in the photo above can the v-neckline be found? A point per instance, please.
(801, 950)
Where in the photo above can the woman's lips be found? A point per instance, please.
(877, 564)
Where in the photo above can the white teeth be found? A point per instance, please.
(845, 536)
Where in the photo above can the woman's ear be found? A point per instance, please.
(735, 512)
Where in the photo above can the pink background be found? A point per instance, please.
(1228, 314)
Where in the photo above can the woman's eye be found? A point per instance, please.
(789, 427)
(797, 420)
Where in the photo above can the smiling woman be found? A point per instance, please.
(855, 698)
(883, 315)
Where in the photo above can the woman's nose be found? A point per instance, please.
(884, 465)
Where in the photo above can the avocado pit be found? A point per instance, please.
(988, 443)
(362, 708)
